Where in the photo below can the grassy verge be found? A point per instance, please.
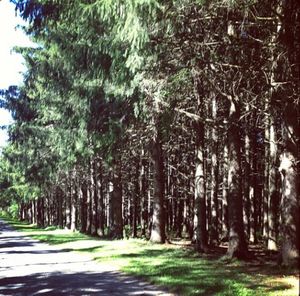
(179, 269)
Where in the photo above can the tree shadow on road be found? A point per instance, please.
(100, 283)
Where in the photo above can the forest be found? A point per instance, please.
(175, 119)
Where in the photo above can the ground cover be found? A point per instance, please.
(178, 268)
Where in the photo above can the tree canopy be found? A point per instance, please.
(162, 117)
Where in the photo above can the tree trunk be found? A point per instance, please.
(237, 244)
(68, 204)
(179, 217)
(267, 167)
(289, 169)
(225, 193)
(40, 212)
(33, 212)
(60, 218)
(200, 230)
(142, 190)
(273, 194)
(158, 218)
(247, 172)
(21, 211)
(94, 199)
(289, 158)
(73, 197)
(83, 197)
(88, 229)
(214, 229)
(136, 194)
(255, 197)
(48, 209)
(101, 208)
(116, 219)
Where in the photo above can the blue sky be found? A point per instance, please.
(11, 64)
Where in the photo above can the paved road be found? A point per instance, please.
(28, 267)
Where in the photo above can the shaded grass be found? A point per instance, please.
(52, 235)
(181, 270)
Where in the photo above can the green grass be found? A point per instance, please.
(181, 270)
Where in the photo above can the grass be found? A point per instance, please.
(179, 269)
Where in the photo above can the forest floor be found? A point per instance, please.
(176, 267)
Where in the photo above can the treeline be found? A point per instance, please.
(159, 119)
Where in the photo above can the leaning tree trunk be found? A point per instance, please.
(237, 246)
(158, 234)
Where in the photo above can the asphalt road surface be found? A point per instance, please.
(29, 267)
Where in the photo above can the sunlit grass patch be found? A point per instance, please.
(283, 286)
(20, 225)
(179, 269)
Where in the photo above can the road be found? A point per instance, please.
(29, 267)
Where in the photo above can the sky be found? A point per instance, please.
(11, 64)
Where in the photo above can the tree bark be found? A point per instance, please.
(40, 212)
(200, 230)
(273, 193)
(60, 218)
(289, 158)
(68, 203)
(94, 199)
(158, 234)
(237, 246)
(83, 198)
(142, 190)
(214, 229)
(116, 219)
(255, 180)
(289, 169)
(101, 209)
(225, 193)
(89, 212)
(136, 196)
(247, 176)
(73, 197)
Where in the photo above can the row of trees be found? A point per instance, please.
(159, 119)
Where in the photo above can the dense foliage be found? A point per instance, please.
(160, 119)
